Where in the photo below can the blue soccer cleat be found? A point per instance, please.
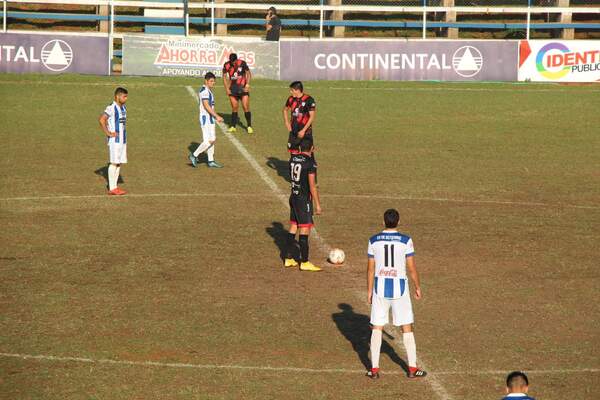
(193, 160)
(214, 164)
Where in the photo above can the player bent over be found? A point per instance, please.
(236, 79)
(390, 254)
(113, 122)
(208, 116)
(304, 191)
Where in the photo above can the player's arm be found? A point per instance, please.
(370, 278)
(414, 275)
(286, 118)
(211, 110)
(314, 192)
(248, 76)
(226, 82)
(311, 117)
(103, 120)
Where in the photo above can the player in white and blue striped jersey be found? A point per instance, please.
(390, 255)
(113, 122)
(208, 118)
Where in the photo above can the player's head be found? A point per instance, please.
(306, 146)
(391, 218)
(517, 382)
(232, 57)
(121, 95)
(296, 88)
(210, 79)
(272, 11)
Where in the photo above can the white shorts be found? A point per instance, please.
(117, 153)
(402, 312)
(208, 132)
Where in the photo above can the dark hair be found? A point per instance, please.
(232, 57)
(297, 85)
(391, 218)
(273, 10)
(305, 145)
(516, 379)
(120, 90)
(209, 75)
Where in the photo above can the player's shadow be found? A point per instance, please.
(356, 328)
(103, 172)
(202, 157)
(227, 119)
(281, 166)
(279, 234)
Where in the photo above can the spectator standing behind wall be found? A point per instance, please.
(273, 25)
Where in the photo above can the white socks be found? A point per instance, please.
(113, 176)
(410, 346)
(207, 147)
(210, 153)
(376, 337)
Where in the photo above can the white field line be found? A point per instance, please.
(518, 88)
(341, 196)
(107, 361)
(432, 380)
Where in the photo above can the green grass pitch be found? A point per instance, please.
(179, 288)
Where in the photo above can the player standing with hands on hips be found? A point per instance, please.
(113, 122)
(390, 255)
(208, 116)
(236, 79)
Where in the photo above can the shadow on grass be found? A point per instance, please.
(103, 172)
(279, 234)
(281, 166)
(356, 328)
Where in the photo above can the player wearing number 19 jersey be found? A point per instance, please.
(390, 255)
(303, 193)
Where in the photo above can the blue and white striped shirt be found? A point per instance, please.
(117, 121)
(390, 249)
(205, 116)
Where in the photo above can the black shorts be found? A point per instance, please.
(237, 92)
(301, 212)
(294, 142)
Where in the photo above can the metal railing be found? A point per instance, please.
(321, 15)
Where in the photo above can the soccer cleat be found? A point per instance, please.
(414, 373)
(290, 262)
(250, 130)
(373, 373)
(232, 129)
(116, 192)
(214, 164)
(193, 160)
(308, 266)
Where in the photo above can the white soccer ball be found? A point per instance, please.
(337, 256)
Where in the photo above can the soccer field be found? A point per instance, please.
(177, 291)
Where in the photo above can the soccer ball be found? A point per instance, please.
(337, 256)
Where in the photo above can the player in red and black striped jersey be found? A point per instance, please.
(236, 79)
(299, 114)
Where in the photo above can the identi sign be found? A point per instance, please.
(559, 61)
(399, 60)
(53, 54)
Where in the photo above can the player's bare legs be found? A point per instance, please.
(235, 105)
(247, 113)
